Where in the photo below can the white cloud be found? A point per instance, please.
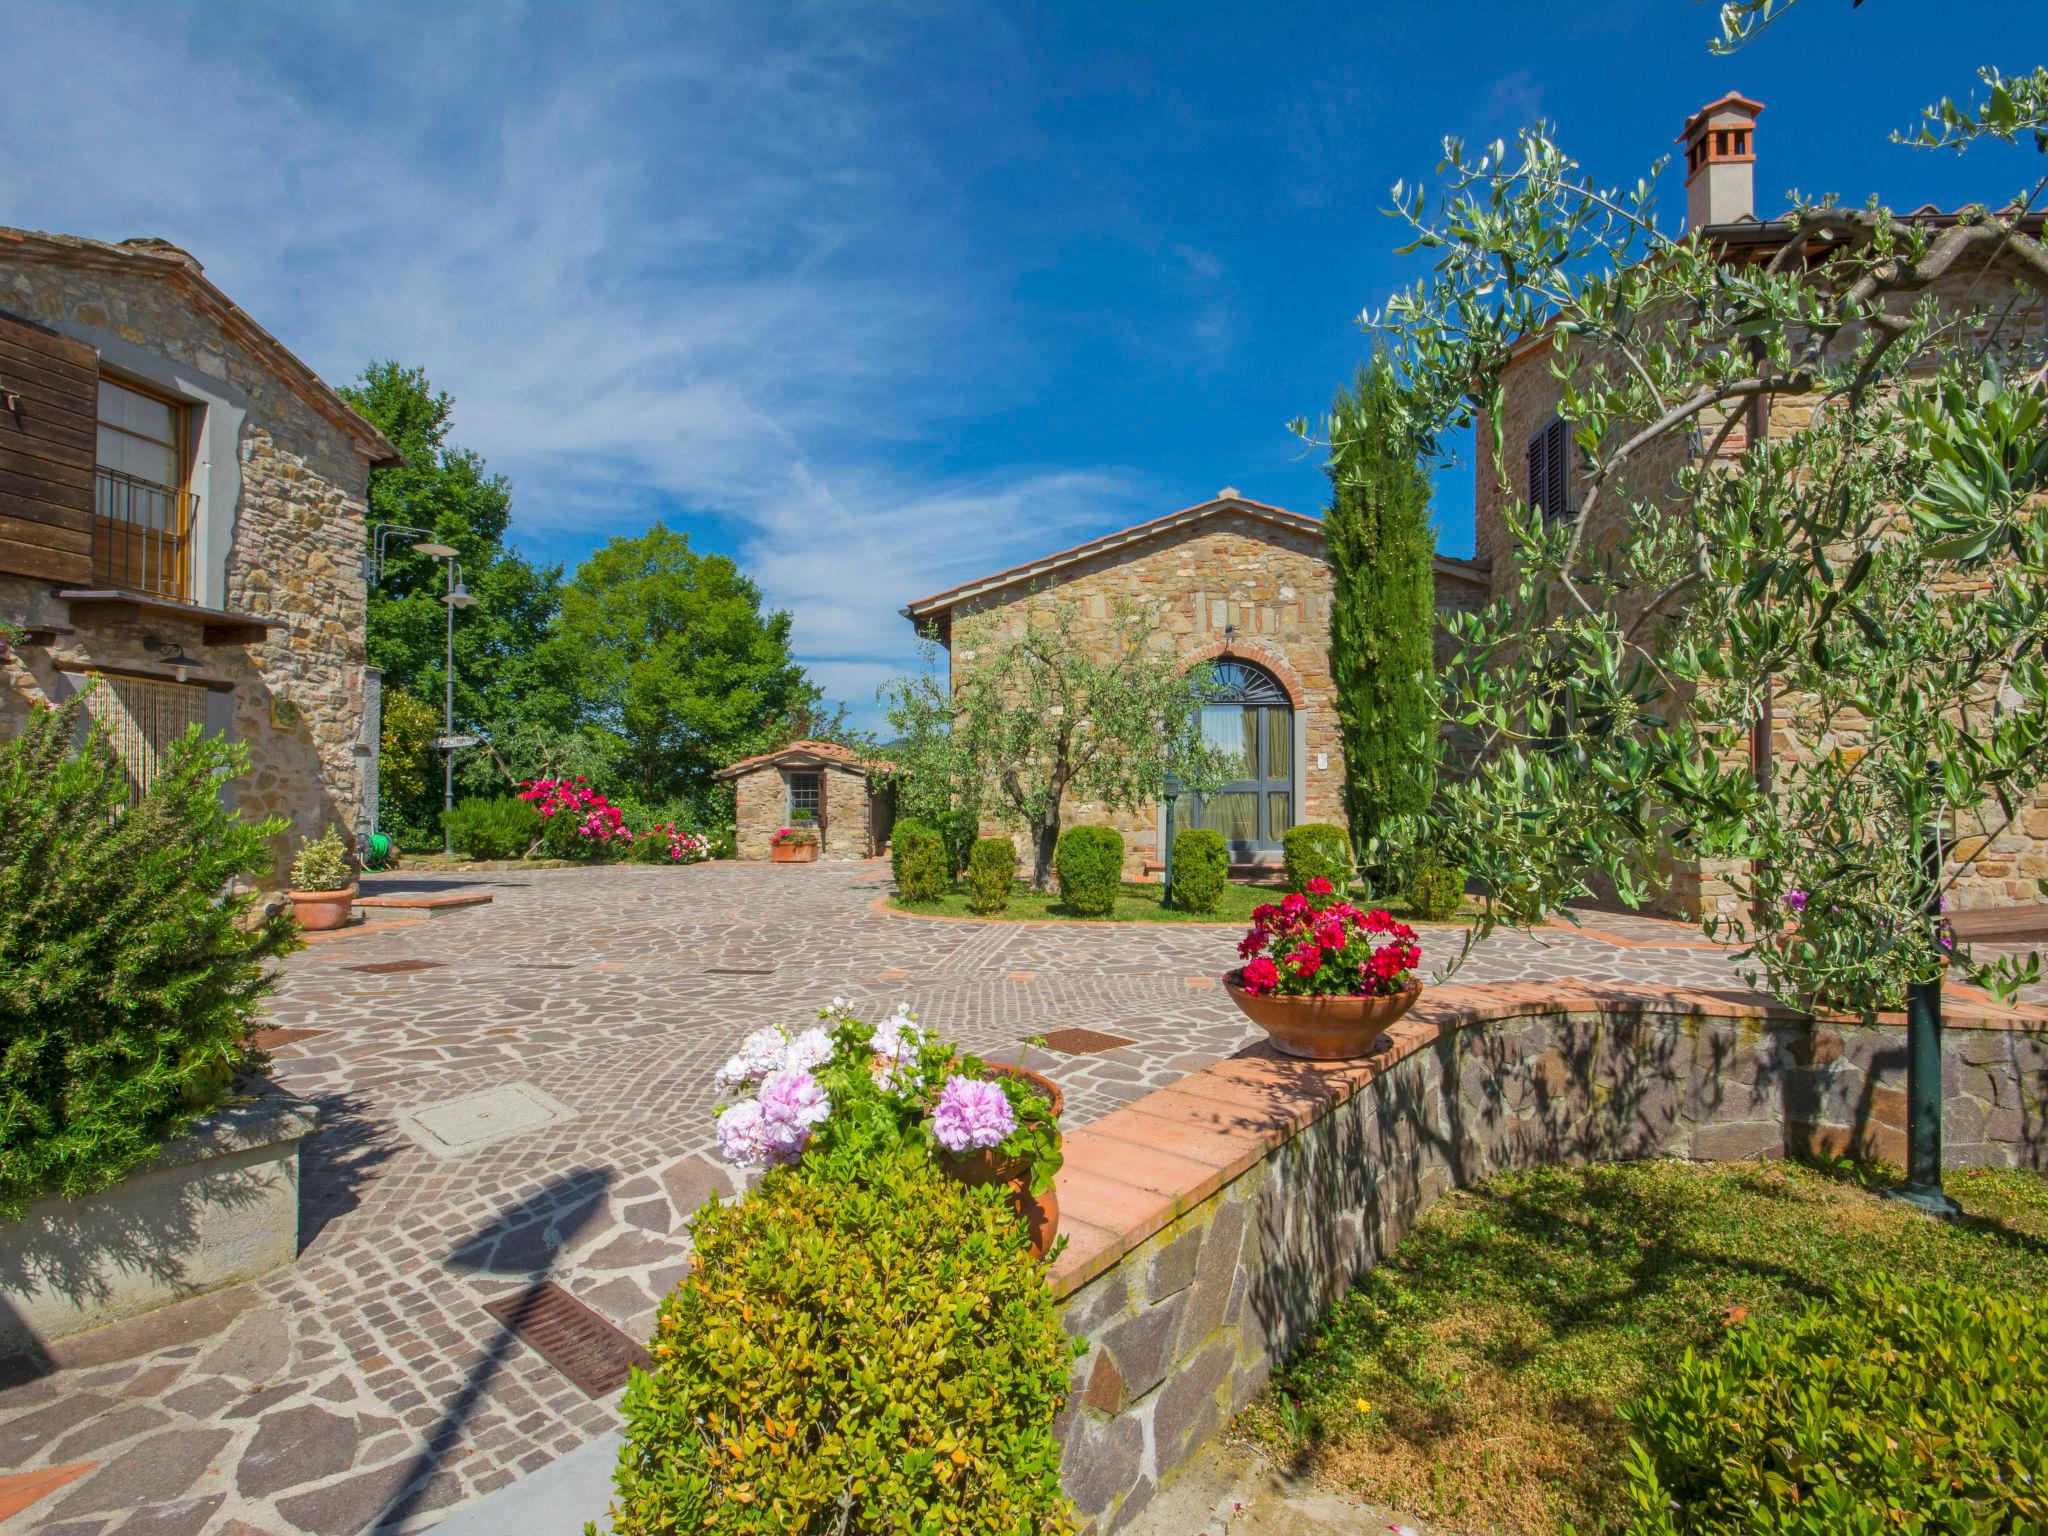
(665, 262)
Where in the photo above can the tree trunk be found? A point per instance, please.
(1044, 838)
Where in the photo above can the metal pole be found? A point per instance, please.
(1922, 1188)
(448, 728)
(1166, 896)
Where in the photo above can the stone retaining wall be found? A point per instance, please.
(1212, 1223)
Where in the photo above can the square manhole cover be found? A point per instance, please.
(1082, 1042)
(457, 1127)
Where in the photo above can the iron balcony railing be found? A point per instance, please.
(141, 535)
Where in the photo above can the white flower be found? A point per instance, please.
(734, 1073)
(811, 1049)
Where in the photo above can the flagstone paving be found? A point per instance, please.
(365, 1388)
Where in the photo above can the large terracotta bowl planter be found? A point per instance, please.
(318, 911)
(1322, 1028)
(1040, 1213)
(792, 852)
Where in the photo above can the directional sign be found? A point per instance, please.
(450, 743)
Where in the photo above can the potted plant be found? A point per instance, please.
(796, 844)
(323, 889)
(1322, 977)
(852, 1086)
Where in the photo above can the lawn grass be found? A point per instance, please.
(1139, 902)
(1473, 1379)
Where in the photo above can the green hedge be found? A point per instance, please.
(1888, 1407)
(1201, 867)
(132, 972)
(1436, 891)
(917, 853)
(1315, 848)
(502, 828)
(991, 871)
(860, 1329)
(1089, 864)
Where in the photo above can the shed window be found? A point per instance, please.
(803, 792)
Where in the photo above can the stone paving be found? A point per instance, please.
(365, 1388)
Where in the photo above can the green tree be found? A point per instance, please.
(1049, 714)
(510, 669)
(1382, 617)
(675, 658)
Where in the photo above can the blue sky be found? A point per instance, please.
(877, 298)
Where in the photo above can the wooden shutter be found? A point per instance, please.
(49, 415)
(1550, 470)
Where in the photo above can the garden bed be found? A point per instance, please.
(1474, 1378)
(1140, 902)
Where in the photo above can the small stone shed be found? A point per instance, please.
(854, 802)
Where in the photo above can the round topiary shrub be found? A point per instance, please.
(1316, 850)
(862, 1345)
(1089, 864)
(1891, 1399)
(991, 870)
(1201, 866)
(1436, 890)
(918, 854)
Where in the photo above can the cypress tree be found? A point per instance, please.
(1383, 617)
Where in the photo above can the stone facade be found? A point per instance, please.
(1212, 1224)
(282, 468)
(1228, 580)
(852, 816)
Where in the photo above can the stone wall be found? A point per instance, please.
(761, 806)
(293, 554)
(1211, 1224)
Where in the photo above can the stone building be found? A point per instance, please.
(850, 800)
(1235, 583)
(1720, 157)
(182, 506)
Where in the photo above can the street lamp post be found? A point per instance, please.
(1169, 788)
(457, 596)
(1922, 1188)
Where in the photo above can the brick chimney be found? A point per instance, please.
(1720, 162)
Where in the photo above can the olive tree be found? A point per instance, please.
(1868, 580)
(1035, 718)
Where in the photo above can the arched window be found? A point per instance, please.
(1249, 720)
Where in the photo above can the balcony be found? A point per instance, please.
(142, 536)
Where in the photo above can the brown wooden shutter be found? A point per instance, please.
(1550, 470)
(49, 431)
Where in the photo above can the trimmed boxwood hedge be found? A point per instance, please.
(1089, 864)
(991, 871)
(500, 827)
(1201, 867)
(917, 854)
(1315, 848)
(1437, 890)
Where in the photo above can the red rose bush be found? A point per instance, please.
(1316, 944)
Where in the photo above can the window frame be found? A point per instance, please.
(184, 431)
(790, 807)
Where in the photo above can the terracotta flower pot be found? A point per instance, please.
(318, 911)
(1040, 1213)
(1322, 1028)
(791, 852)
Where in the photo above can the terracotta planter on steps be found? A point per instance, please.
(318, 911)
(1321, 1028)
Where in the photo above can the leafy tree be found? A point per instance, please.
(1383, 616)
(404, 757)
(1040, 717)
(510, 670)
(675, 658)
(1873, 572)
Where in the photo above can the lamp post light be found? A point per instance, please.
(457, 596)
(1922, 1189)
(1169, 789)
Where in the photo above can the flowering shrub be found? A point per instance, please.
(578, 820)
(843, 1084)
(1314, 944)
(666, 843)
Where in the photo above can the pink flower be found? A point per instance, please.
(972, 1114)
(1318, 886)
(1261, 975)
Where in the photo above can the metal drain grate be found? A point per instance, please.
(541, 965)
(738, 970)
(570, 1337)
(266, 1039)
(399, 967)
(1082, 1042)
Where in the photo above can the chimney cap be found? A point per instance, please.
(1228, 493)
(1734, 101)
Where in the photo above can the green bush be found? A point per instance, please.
(323, 863)
(991, 871)
(1089, 864)
(961, 829)
(500, 828)
(131, 969)
(1315, 848)
(918, 855)
(1201, 867)
(1888, 1407)
(862, 1345)
(1436, 890)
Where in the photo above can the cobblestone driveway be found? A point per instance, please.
(366, 1388)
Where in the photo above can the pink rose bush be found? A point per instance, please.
(595, 818)
(1316, 944)
(845, 1084)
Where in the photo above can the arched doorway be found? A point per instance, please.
(1248, 718)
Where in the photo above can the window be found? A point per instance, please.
(142, 524)
(805, 794)
(1550, 473)
(1249, 720)
(142, 718)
